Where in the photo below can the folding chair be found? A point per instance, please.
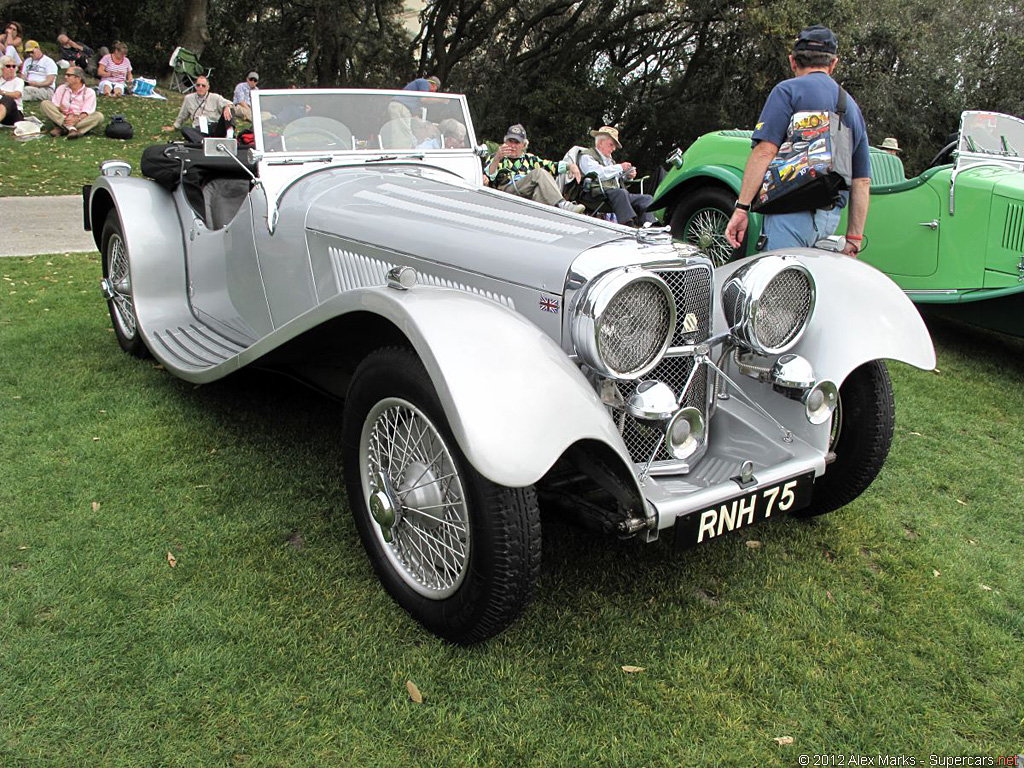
(185, 68)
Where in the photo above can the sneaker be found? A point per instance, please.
(565, 205)
(73, 133)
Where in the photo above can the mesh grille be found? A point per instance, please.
(633, 326)
(783, 308)
(691, 288)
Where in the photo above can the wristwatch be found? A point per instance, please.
(742, 206)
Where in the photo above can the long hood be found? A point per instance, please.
(439, 217)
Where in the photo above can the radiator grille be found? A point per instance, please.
(1013, 228)
(691, 287)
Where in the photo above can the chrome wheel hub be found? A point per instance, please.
(117, 287)
(415, 497)
(706, 230)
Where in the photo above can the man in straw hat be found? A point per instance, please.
(630, 208)
(891, 146)
(811, 89)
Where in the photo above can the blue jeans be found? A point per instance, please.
(801, 229)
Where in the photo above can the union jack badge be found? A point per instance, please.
(549, 304)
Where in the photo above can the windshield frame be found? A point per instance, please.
(260, 95)
(1011, 143)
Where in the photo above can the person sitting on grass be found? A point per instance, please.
(76, 54)
(72, 110)
(115, 72)
(10, 41)
(11, 87)
(39, 72)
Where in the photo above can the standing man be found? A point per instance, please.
(39, 71)
(209, 113)
(630, 208)
(72, 110)
(243, 96)
(811, 89)
(518, 172)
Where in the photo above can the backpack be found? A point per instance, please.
(119, 128)
(813, 165)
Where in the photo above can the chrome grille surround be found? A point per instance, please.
(768, 303)
(692, 291)
(624, 323)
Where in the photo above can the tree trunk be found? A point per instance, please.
(195, 34)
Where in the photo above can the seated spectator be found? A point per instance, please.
(400, 111)
(76, 54)
(208, 113)
(39, 71)
(115, 72)
(518, 172)
(11, 87)
(454, 133)
(243, 96)
(10, 41)
(629, 208)
(72, 110)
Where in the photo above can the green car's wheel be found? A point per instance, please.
(862, 428)
(700, 219)
(461, 554)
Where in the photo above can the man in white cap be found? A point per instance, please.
(39, 72)
(518, 172)
(243, 96)
(630, 208)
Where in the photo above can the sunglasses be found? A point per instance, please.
(10, 66)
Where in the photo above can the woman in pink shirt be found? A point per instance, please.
(115, 71)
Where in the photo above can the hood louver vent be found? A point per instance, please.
(1013, 228)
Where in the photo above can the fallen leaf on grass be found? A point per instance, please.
(95, 506)
(95, 439)
(961, 501)
(986, 588)
(171, 560)
(783, 741)
(414, 692)
(752, 544)
(829, 596)
(972, 541)
(22, 548)
(918, 434)
(158, 367)
(629, 669)
(936, 573)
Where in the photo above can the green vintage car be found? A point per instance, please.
(952, 238)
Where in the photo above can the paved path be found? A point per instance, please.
(33, 225)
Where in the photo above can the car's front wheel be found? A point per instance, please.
(700, 219)
(117, 287)
(458, 552)
(862, 428)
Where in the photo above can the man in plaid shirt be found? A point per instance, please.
(518, 172)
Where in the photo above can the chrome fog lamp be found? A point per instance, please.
(768, 303)
(684, 433)
(820, 401)
(652, 401)
(624, 322)
(792, 376)
(115, 168)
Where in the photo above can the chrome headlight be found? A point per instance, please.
(768, 303)
(624, 322)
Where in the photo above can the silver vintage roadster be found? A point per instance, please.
(491, 351)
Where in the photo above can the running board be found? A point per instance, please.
(194, 347)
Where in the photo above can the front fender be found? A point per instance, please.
(860, 315)
(678, 179)
(513, 398)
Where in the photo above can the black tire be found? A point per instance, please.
(861, 438)
(700, 219)
(390, 398)
(118, 278)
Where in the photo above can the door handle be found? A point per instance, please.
(933, 224)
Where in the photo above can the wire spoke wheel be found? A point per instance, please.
(122, 303)
(429, 539)
(706, 230)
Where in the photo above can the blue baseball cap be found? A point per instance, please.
(816, 38)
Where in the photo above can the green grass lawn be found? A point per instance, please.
(56, 166)
(895, 625)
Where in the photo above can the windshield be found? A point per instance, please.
(314, 120)
(989, 133)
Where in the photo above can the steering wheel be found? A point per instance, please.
(941, 159)
(313, 138)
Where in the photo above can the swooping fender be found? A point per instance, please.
(860, 315)
(513, 398)
(669, 189)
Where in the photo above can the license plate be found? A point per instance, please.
(744, 510)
